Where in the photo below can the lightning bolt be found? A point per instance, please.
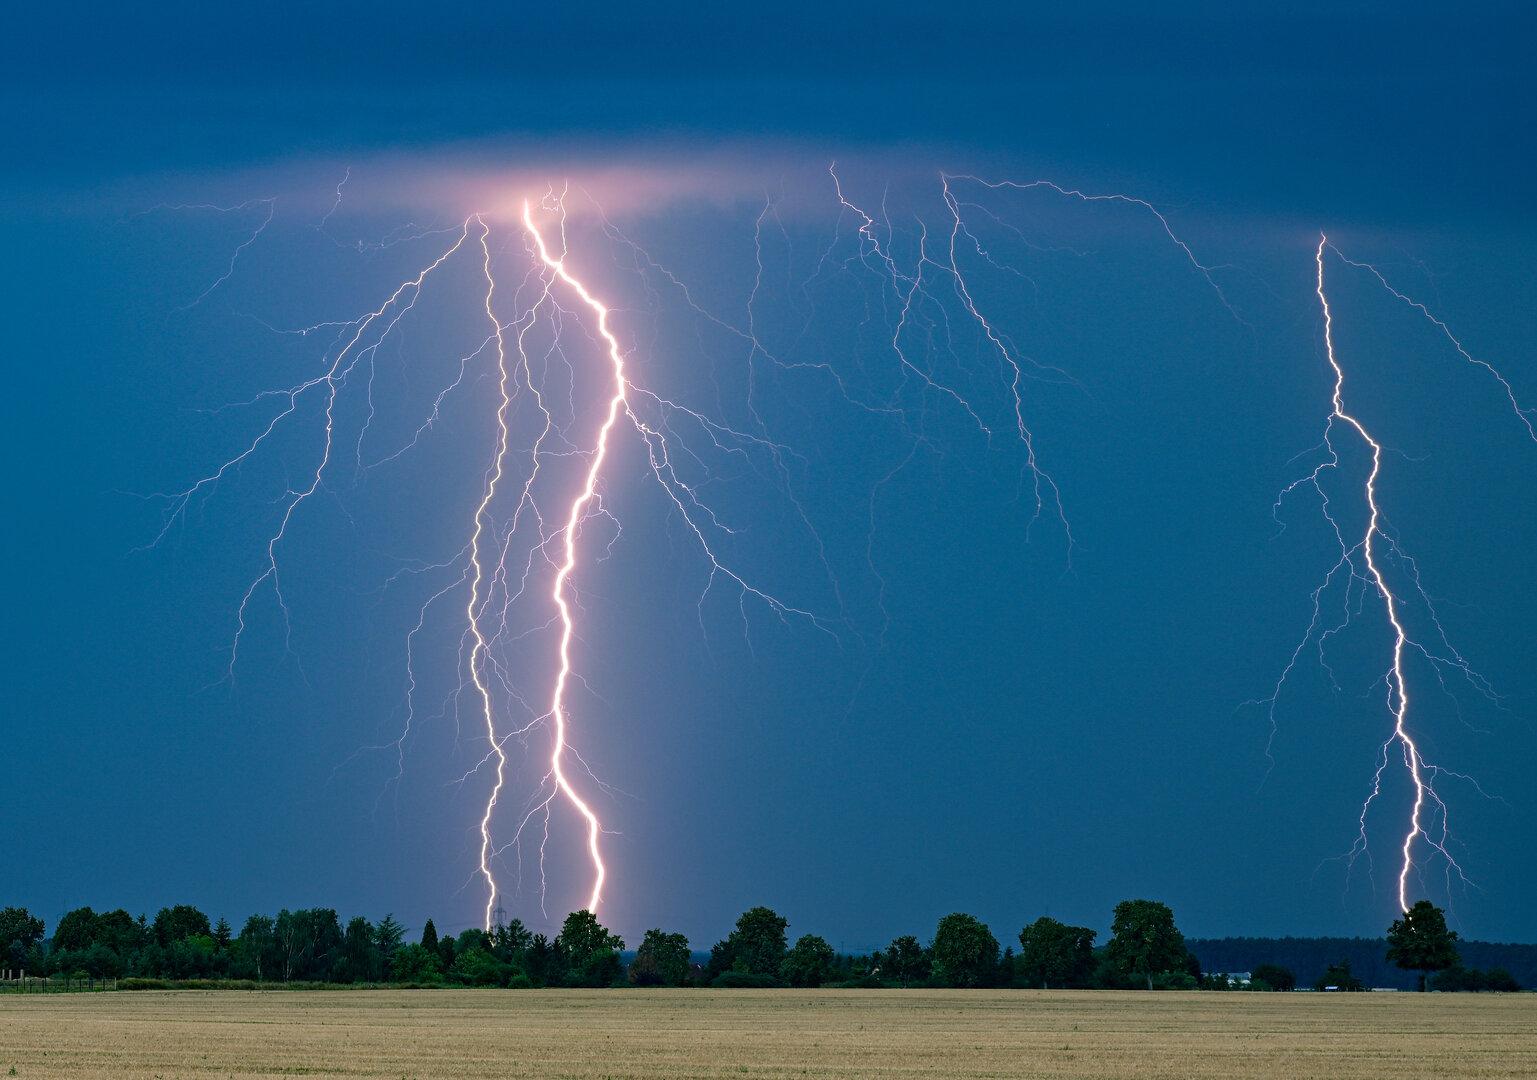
(519, 545)
(473, 608)
(1363, 561)
(1398, 687)
(574, 516)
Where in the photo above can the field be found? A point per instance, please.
(468, 1035)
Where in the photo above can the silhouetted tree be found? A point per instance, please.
(360, 959)
(1501, 981)
(19, 932)
(661, 960)
(76, 930)
(1421, 942)
(588, 950)
(178, 923)
(808, 963)
(756, 947)
(1052, 953)
(906, 961)
(430, 937)
(121, 932)
(543, 962)
(1144, 941)
(308, 940)
(964, 952)
(510, 943)
(387, 938)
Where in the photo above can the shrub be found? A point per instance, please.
(477, 967)
(1273, 977)
(1501, 981)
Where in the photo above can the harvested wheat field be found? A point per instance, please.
(475, 1034)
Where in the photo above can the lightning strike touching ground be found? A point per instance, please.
(528, 521)
(579, 397)
(1370, 561)
(574, 518)
(474, 608)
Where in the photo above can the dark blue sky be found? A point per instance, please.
(1027, 739)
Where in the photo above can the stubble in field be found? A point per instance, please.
(470, 1035)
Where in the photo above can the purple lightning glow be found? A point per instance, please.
(574, 406)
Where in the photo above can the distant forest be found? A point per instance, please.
(181, 946)
(1310, 957)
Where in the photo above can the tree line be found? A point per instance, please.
(1312, 957)
(1145, 950)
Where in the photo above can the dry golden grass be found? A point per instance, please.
(468, 1035)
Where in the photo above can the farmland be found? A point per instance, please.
(470, 1034)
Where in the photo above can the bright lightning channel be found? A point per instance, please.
(1374, 545)
(922, 285)
(574, 516)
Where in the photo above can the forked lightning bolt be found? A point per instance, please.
(574, 517)
(523, 546)
(1377, 549)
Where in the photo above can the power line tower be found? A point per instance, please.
(499, 918)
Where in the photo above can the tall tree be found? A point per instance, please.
(590, 952)
(308, 940)
(179, 923)
(472, 938)
(1144, 940)
(76, 930)
(661, 960)
(542, 960)
(1421, 942)
(964, 952)
(809, 963)
(360, 959)
(906, 961)
(120, 931)
(757, 945)
(430, 937)
(387, 938)
(254, 953)
(18, 927)
(1052, 953)
(510, 943)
